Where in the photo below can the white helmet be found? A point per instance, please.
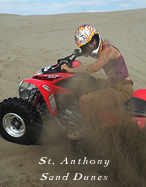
(84, 34)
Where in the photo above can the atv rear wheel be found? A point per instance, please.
(20, 122)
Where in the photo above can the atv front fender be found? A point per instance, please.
(46, 90)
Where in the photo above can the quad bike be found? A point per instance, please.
(55, 93)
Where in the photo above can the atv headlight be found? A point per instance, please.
(40, 72)
(25, 89)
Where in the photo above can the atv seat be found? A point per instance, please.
(136, 107)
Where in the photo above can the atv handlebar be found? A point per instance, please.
(68, 60)
(64, 71)
(57, 67)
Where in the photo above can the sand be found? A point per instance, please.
(28, 43)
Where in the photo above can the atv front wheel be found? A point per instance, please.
(20, 122)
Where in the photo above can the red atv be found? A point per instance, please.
(54, 93)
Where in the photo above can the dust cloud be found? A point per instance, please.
(123, 145)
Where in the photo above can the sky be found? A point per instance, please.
(47, 7)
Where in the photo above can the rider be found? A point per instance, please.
(119, 87)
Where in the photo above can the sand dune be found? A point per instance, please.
(29, 43)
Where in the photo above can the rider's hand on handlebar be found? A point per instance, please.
(66, 67)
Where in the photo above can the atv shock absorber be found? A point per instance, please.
(36, 100)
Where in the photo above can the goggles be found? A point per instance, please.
(92, 40)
